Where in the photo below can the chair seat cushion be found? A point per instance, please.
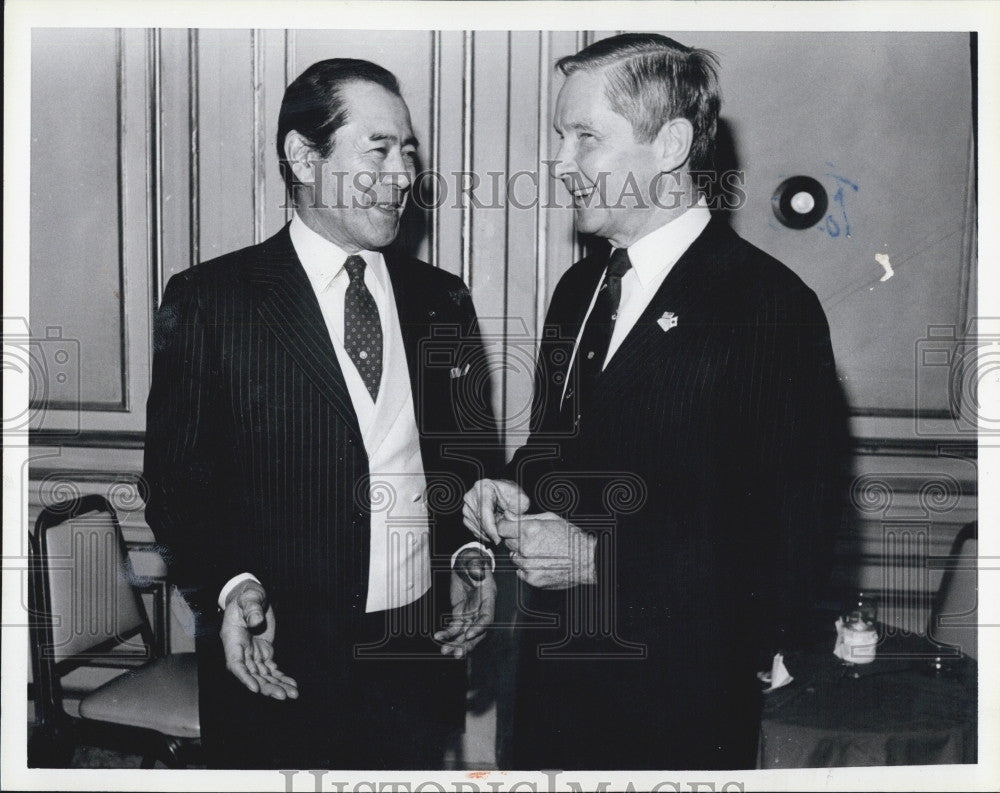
(161, 695)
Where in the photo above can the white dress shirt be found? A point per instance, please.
(652, 257)
(399, 568)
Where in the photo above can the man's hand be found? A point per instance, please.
(548, 551)
(247, 635)
(489, 499)
(473, 603)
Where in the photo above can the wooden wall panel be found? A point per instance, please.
(76, 214)
(527, 126)
(174, 135)
(455, 59)
(225, 152)
(276, 69)
(92, 252)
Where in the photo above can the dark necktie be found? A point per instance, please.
(600, 324)
(362, 328)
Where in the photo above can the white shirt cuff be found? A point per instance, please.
(231, 585)
(481, 547)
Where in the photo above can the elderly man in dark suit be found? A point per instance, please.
(668, 513)
(301, 457)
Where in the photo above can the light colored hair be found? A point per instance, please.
(651, 79)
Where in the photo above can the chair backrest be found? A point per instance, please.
(82, 580)
(955, 611)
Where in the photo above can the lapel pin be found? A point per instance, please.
(667, 321)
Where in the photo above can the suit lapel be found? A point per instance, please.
(415, 313)
(686, 292)
(591, 277)
(559, 352)
(288, 306)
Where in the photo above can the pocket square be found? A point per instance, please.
(667, 321)
(459, 371)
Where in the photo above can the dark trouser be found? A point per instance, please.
(387, 702)
(595, 709)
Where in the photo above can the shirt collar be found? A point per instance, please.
(662, 247)
(323, 260)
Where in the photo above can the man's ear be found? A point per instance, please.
(298, 152)
(674, 141)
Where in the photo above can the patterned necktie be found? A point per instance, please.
(597, 335)
(362, 328)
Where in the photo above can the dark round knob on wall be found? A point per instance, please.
(799, 202)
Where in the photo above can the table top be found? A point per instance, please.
(901, 708)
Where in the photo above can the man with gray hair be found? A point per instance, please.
(669, 511)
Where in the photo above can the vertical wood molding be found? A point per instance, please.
(969, 236)
(506, 254)
(194, 135)
(259, 178)
(468, 53)
(542, 225)
(969, 261)
(289, 56)
(435, 159)
(138, 234)
(155, 161)
(120, 165)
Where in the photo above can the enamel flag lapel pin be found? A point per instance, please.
(667, 321)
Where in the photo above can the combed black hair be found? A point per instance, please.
(313, 104)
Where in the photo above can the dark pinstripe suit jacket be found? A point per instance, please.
(254, 458)
(707, 464)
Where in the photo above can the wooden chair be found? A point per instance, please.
(85, 603)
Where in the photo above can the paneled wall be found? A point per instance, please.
(154, 149)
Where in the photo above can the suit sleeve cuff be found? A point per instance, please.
(232, 583)
(481, 547)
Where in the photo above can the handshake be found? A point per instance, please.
(548, 551)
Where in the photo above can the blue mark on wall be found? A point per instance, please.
(841, 224)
